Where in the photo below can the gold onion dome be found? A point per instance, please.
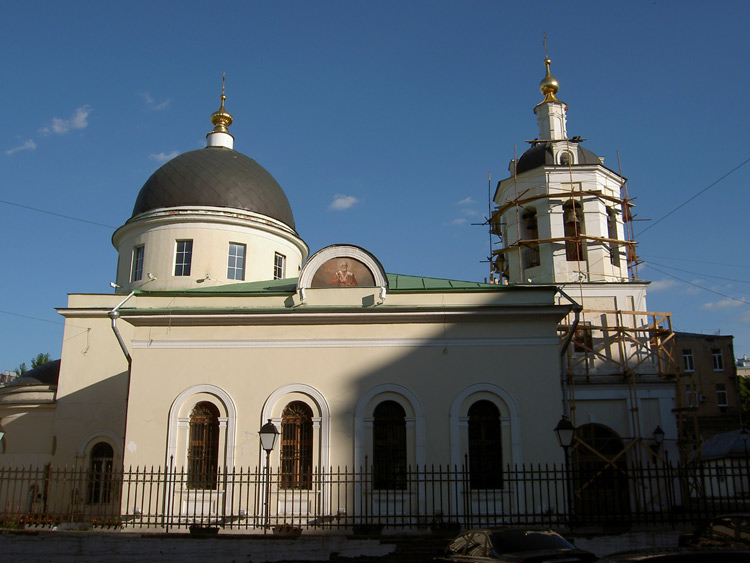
(549, 85)
(221, 118)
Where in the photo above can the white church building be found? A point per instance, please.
(222, 321)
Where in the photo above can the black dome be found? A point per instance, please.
(541, 155)
(46, 374)
(216, 177)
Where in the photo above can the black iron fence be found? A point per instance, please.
(432, 497)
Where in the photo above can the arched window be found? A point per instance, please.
(614, 249)
(296, 446)
(389, 446)
(573, 224)
(485, 446)
(100, 474)
(203, 447)
(531, 234)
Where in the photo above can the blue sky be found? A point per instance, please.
(381, 120)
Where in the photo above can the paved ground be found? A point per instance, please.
(125, 547)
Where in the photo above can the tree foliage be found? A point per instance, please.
(38, 360)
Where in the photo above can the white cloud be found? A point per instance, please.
(456, 222)
(79, 120)
(342, 202)
(466, 201)
(723, 304)
(153, 104)
(29, 145)
(661, 285)
(693, 289)
(163, 156)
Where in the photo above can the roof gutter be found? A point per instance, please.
(576, 308)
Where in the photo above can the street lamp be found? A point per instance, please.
(565, 432)
(658, 437)
(268, 434)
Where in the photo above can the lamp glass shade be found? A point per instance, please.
(564, 432)
(658, 435)
(268, 433)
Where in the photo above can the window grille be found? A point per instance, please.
(203, 447)
(100, 474)
(485, 446)
(296, 446)
(389, 446)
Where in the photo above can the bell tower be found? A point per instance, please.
(563, 218)
(560, 212)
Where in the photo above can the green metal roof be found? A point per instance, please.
(400, 282)
(396, 283)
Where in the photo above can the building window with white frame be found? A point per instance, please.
(136, 269)
(279, 266)
(722, 399)
(688, 364)
(691, 395)
(718, 359)
(183, 257)
(236, 262)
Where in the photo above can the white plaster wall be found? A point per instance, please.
(211, 231)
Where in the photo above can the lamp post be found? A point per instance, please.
(658, 436)
(565, 432)
(268, 434)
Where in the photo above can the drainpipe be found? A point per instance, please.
(114, 314)
(564, 351)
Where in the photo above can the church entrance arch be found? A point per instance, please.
(600, 480)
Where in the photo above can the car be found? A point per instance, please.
(513, 545)
(727, 530)
(678, 555)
